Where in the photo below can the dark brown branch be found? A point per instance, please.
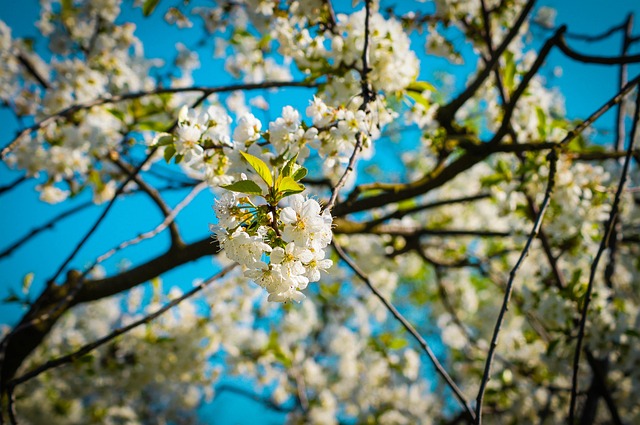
(524, 84)
(86, 349)
(600, 156)
(600, 60)
(446, 113)
(619, 144)
(546, 247)
(409, 328)
(599, 368)
(436, 178)
(13, 184)
(552, 157)
(399, 213)
(55, 299)
(486, 19)
(593, 38)
(32, 70)
(594, 266)
(442, 174)
(98, 289)
(586, 37)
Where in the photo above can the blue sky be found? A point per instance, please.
(585, 88)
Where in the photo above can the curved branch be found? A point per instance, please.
(552, 157)
(55, 220)
(594, 266)
(599, 60)
(409, 328)
(13, 184)
(167, 222)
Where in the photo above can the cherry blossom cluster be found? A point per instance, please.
(280, 248)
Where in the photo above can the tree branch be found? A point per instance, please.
(86, 349)
(442, 174)
(446, 113)
(599, 60)
(366, 98)
(552, 157)
(176, 239)
(594, 266)
(409, 328)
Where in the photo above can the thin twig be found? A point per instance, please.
(594, 266)
(585, 37)
(168, 220)
(154, 195)
(446, 113)
(48, 225)
(617, 98)
(56, 220)
(86, 349)
(599, 60)
(409, 328)
(24, 61)
(13, 184)
(619, 144)
(552, 157)
(524, 84)
(366, 95)
(11, 407)
(399, 213)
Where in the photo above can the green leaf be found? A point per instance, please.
(179, 159)
(67, 6)
(165, 140)
(542, 123)
(26, 282)
(392, 342)
(116, 113)
(420, 86)
(94, 177)
(288, 184)
(288, 167)
(152, 125)
(244, 186)
(397, 343)
(509, 71)
(261, 168)
(299, 174)
(149, 6)
(168, 153)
